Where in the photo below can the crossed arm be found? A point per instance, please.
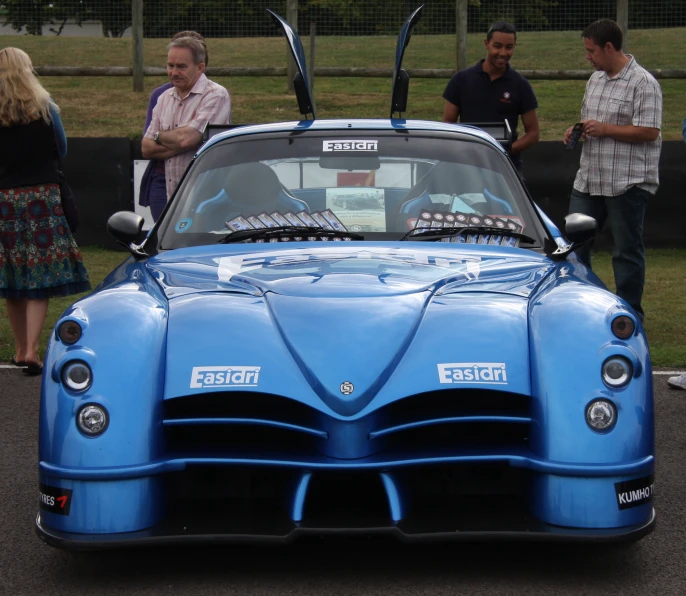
(214, 107)
(171, 143)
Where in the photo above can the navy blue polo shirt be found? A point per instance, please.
(481, 100)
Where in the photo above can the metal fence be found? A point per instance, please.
(231, 18)
(356, 24)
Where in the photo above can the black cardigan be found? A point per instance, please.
(27, 154)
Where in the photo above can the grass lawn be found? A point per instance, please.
(663, 301)
(107, 106)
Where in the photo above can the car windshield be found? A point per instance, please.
(379, 185)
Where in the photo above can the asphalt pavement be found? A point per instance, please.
(656, 565)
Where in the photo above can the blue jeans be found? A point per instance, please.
(625, 213)
(158, 195)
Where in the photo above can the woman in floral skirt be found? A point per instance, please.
(38, 255)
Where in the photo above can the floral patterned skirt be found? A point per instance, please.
(38, 255)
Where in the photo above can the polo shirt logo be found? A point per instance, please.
(506, 97)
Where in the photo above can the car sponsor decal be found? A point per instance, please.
(480, 373)
(183, 225)
(55, 499)
(227, 377)
(280, 219)
(235, 264)
(238, 224)
(350, 145)
(633, 493)
(430, 219)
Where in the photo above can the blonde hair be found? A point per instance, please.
(22, 98)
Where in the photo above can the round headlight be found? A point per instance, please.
(77, 376)
(601, 415)
(623, 327)
(92, 420)
(617, 371)
(69, 332)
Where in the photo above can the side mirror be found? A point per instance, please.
(580, 228)
(126, 227)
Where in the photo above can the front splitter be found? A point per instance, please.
(152, 537)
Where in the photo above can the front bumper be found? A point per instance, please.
(171, 535)
(469, 498)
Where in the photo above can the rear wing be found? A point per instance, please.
(212, 129)
(500, 131)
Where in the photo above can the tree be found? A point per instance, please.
(114, 15)
(32, 15)
(524, 14)
(35, 14)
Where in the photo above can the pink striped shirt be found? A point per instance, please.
(206, 102)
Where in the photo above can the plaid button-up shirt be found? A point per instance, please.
(609, 167)
(206, 102)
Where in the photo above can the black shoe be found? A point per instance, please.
(33, 369)
(17, 362)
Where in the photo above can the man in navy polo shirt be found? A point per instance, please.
(492, 91)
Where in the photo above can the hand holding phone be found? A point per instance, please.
(575, 136)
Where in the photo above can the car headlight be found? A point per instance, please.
(617, 371)
(623, 327)
(92, 420)
(601, 414)
(69, 332)
(77, 375)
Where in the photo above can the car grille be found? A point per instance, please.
(250, 424)
(258, 500)
(247, 453)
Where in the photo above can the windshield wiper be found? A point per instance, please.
(435, 233)
(287, 232)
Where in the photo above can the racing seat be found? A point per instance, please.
(436, 180)
(249, 189)
(449, 179)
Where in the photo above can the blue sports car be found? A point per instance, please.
(269, 364)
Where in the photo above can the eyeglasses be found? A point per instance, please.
(501, 26)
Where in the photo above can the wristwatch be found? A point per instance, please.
(156, 137)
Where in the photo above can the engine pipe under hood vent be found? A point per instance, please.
(301, 84)
(401, 80)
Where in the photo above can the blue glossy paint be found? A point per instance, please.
(362, 124)
(300, 496)
(393, 496)
(297, 52)
(516, 457)
(345, 332)
(105, 507)
(401, 44)
(586, 502)
(559, 428)
(244, 421)
(452, 420)
(131, 315)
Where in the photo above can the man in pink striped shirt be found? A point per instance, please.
(182, 112)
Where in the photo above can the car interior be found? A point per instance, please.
(392, 195)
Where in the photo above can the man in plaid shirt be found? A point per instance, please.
(183, 111)
(621, 116)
